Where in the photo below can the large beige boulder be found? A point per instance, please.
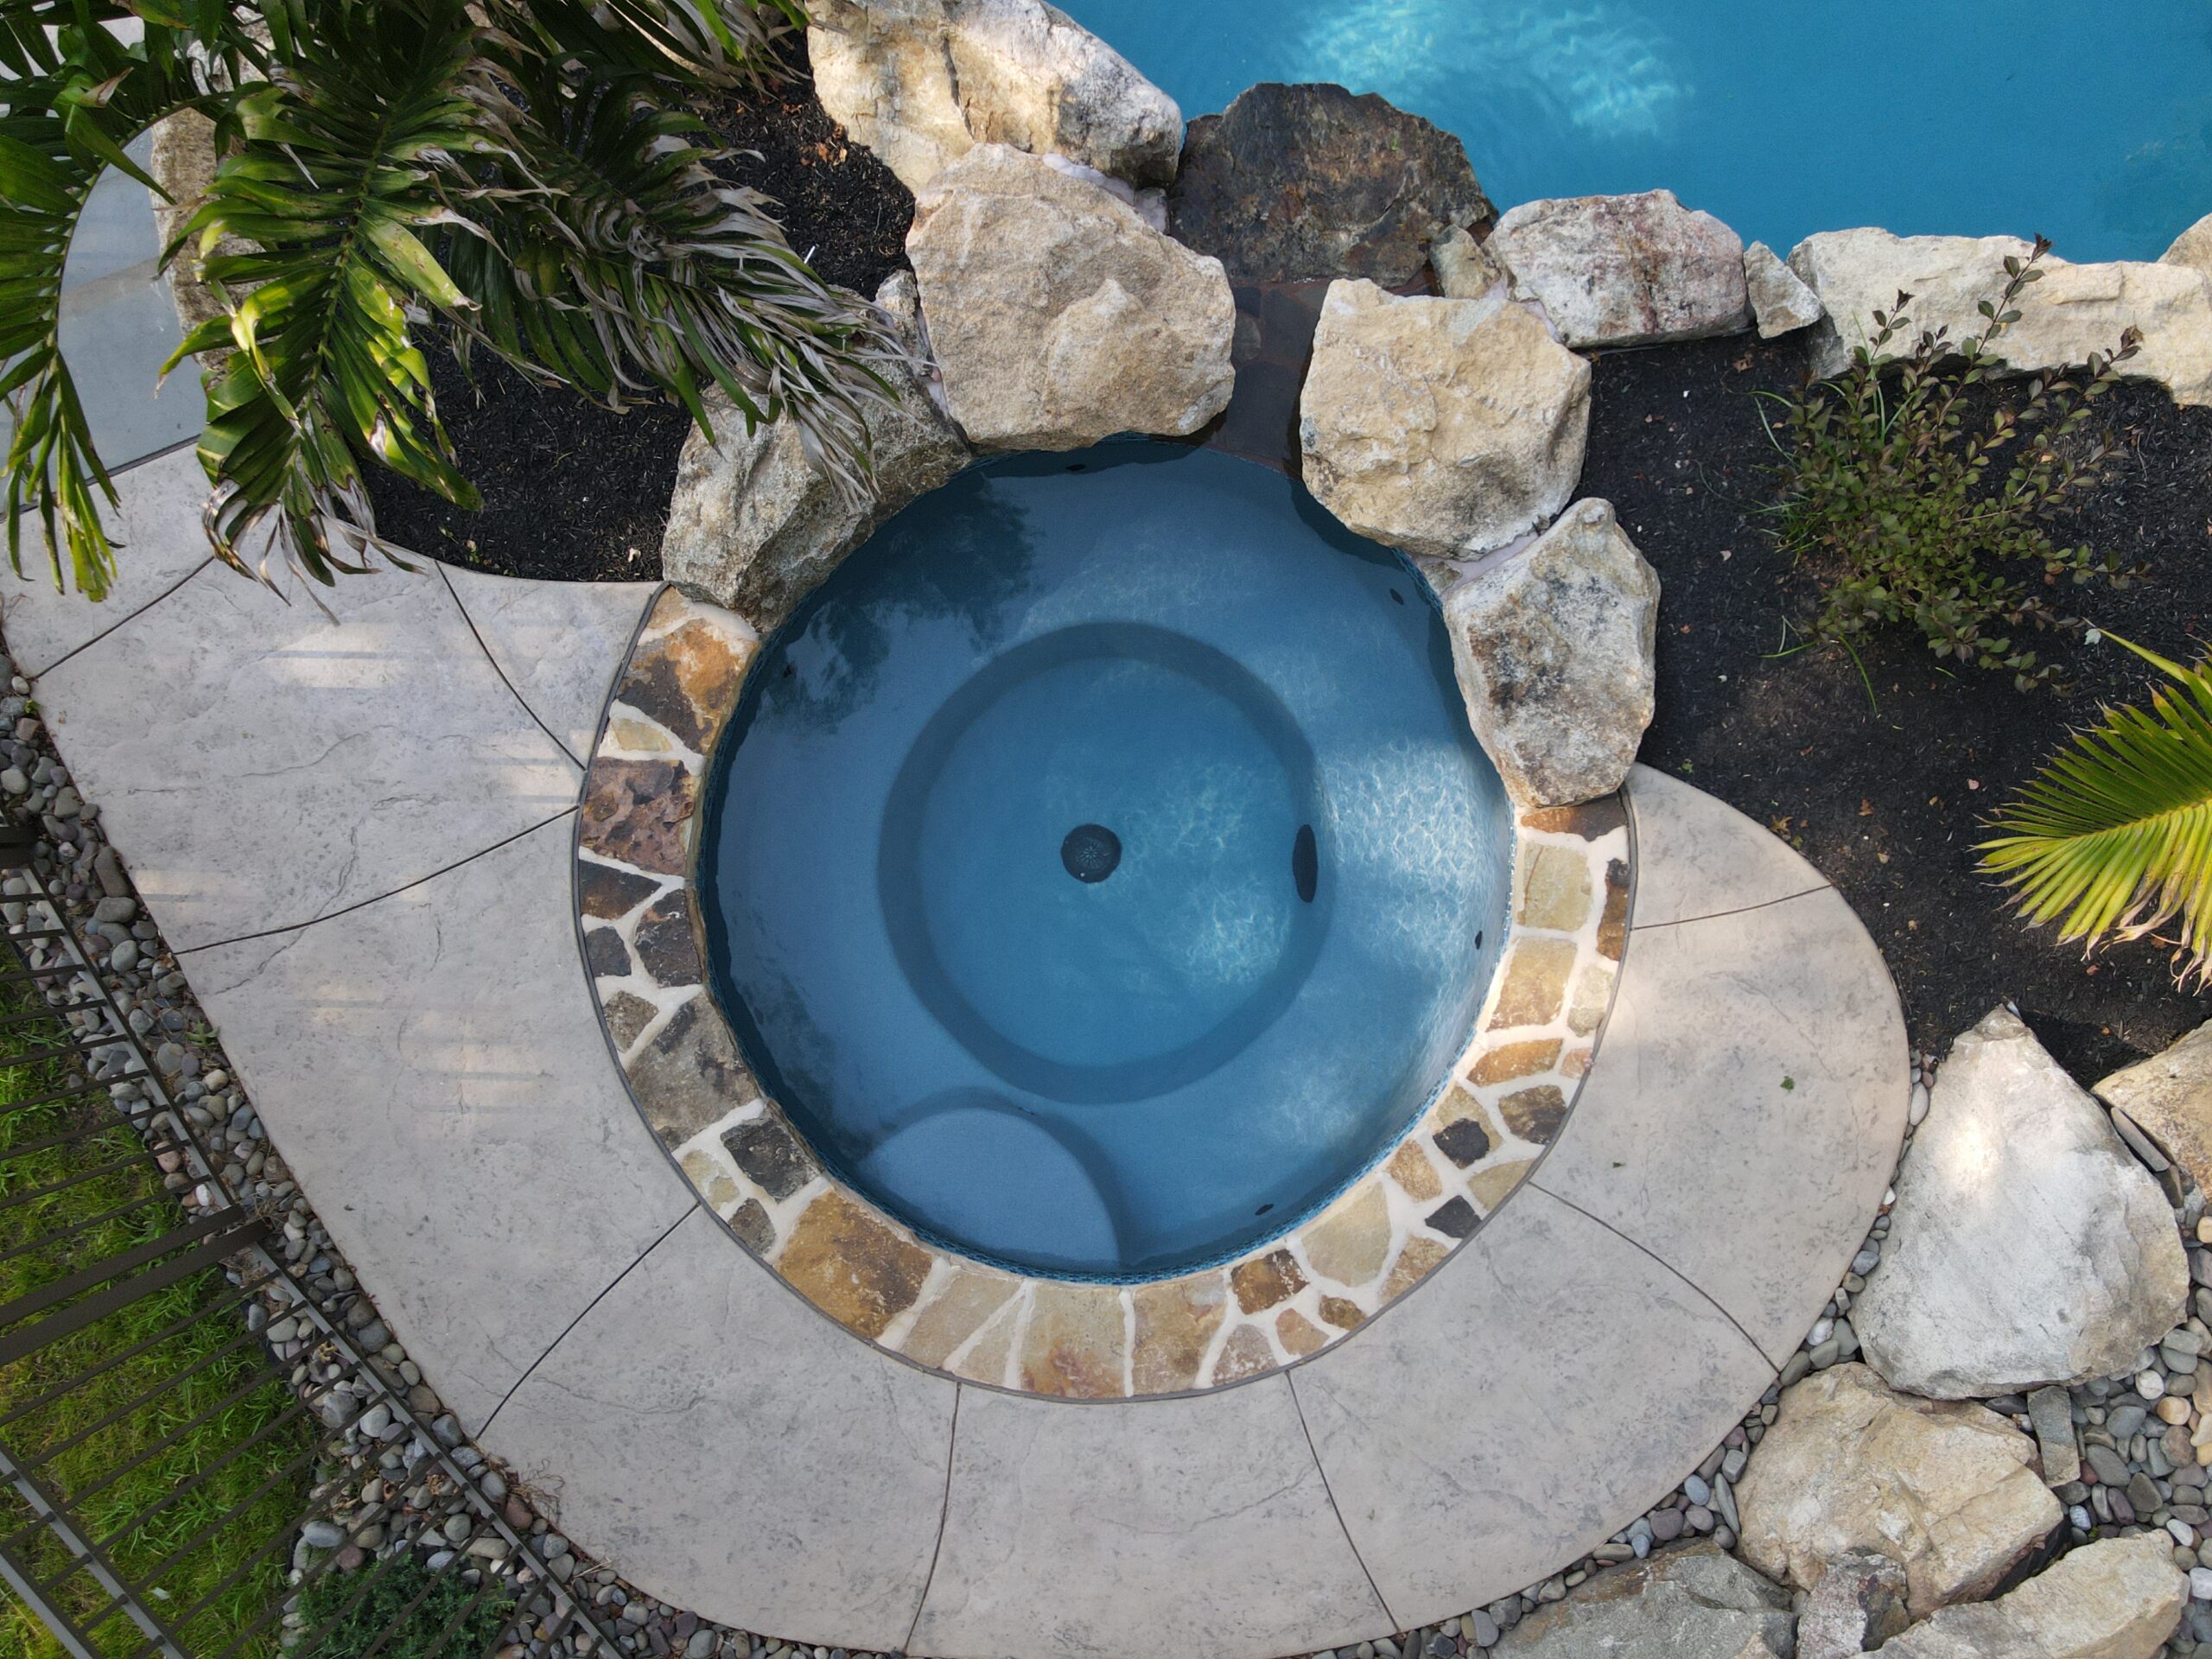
(754, 524)
(1057, 315)
(2193, 247)
(1554, 653)
(921, 82)
(1443, 426)
(1947, 1491)
(2027, 1245)
(2073, 311)
(2116, 1599)
(2171, 1096)
(1781, 303)
(1625, 270)
(1693, 1603)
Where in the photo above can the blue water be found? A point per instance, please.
(2090, 123)
(1099, 869)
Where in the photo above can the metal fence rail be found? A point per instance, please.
(168, 1485)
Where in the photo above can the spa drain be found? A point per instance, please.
(1092, 852)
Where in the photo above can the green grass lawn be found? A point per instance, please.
(178, 1370)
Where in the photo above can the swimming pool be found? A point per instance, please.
(1099, 869)
(2092, 125)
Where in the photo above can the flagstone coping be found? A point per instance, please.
(1284, 1300)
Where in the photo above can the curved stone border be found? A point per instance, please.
(1281, 1302)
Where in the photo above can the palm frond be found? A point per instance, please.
(79, 97)
(617, 260)
(336, 187)
(2114, 839)
(717, 42)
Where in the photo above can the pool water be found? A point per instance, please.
(1099, 867)
(2091, 123)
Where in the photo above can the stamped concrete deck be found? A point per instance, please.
(356, 836)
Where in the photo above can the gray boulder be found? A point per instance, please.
(1307, 182)
(1694, 1603)
(1781, 303)
(1444, 426)
(2116, 1599)
(754, 525)
(1057, 315)
(921, 82)
(2027, 1245)
(1626, 270)
(1554, 653)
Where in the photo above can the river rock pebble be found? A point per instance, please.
(922, 82)
(1058, 316)
(1554, 649)
(2029, 1247)
(1443, 426)
(1625, 270)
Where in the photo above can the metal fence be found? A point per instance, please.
(168, 1485)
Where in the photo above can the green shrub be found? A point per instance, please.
(428, 1615)
(1891, 498)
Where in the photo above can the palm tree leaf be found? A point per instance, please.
(81, 95)
(2113, 838)
(345, 146)
(616, 258)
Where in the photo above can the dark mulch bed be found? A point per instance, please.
(1887, 798)
(575, 492)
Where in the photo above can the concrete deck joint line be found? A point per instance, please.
(485, 1427)
(1740, 910)
(1635, 1244)
(477, 633)
(121, 620)
(1290, 1381)
(377, 899)
(944, 1510)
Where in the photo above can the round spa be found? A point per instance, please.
(1098, 868)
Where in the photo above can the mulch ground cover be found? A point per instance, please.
(1884, 778)
(575, 492)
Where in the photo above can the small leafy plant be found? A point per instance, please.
(2113, 840)
(1891, 498)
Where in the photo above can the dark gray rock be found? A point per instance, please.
(1693, 1603)
(1299, 183)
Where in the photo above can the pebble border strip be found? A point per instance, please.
(1285, 1299)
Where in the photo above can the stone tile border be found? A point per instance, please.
(1287, 1298)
